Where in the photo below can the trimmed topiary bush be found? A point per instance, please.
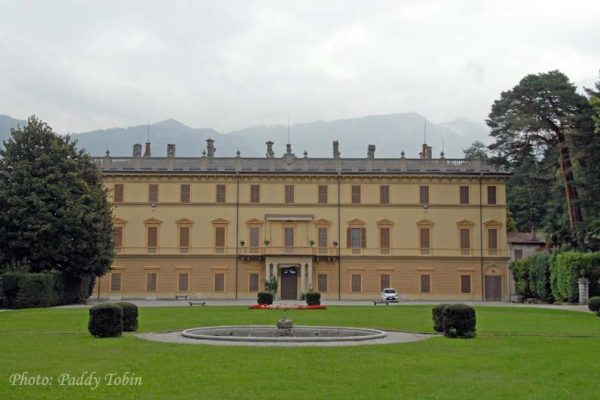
(265, 298)
(458, 321)
(594, 305)
(313, 298)
(106, 320)
(438, 320)
(36, 290)
(130, 316)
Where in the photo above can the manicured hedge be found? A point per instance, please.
(106, 320)
(566, 269)
(130, 316)
(438, 320)
(25, 290)
(539, 277)
(594, 304)
(520, 270)
(313, 298)
(265, 298)
(458, 321)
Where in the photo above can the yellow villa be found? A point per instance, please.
(217, 227)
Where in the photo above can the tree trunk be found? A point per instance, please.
(568, 181)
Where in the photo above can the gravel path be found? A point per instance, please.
(390, 338)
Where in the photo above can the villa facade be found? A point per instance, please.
(217, 227)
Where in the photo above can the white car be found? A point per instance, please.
(389, 295)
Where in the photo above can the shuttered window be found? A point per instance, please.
(425, 240)
(355, 194)
(425, 283)
(255, 194)
(185, 193)
(356, 283)
(424, 195)
(184, 239)
(118, 237)
(322, 240)
(152, 239)
(518, 254)
(491, 194)
(220, 193)
(384, 240)
(464, 195)
(254, 239)
(118, 193)
(465, 283)
(115, 282)
(384, 282)
(289, 194)
(220, 239)
(493, 241)
(465, 241)
(151, 282)
(253, 282)
(356, 238)
(384, 194)
(322, 282)
(322, 194)
(183, 281)
(219, 282)
(288, 234)
(153, 193)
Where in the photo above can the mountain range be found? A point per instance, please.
(392, 134)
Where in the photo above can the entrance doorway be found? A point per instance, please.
(493, 288)
(289, 283)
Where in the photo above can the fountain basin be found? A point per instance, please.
(265, 333)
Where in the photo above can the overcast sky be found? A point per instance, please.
(228, 64)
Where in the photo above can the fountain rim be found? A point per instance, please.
(370, 334)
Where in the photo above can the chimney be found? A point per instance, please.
(288, 149)
(425, 154)
(137, 150)
(336, 149)
(210, 148)
(270, 153)
(147, 152)
(371, 151)
(170, 150)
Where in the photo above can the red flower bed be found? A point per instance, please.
(286, 307)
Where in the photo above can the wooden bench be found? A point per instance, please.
(181, 297)
(197, 303)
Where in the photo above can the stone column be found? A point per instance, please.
(584, 290)
(310, 277)
(267, 271)
(302, 282)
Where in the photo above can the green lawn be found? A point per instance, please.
(519, 353)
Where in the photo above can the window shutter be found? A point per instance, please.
(424, 195)
(384, 281)
(363, 238)
(464, 195)
(465, 239)
(491, 190)
(118, 193)
(493, 239)
(151, 282)
(185, 193)
(183, 281)
(152, 237)
(323, 194)
(219, 282)
(384, 194)
(153, 193)
(322, 282)
(424, 238)
(385, 238)
(425, 283)
(255, 194)
(184, 237)
(465, 283)
(348, 237)
(219, 237)
(118, 231)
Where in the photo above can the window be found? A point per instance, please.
(425, 283)
(253, 282)
(322, 282)
(118, 237)
(220, 239)
(115, 282)
(322, 194)
(356, 283)
(322, 240)
(219, 282)
(254, 193)
(289, 194)
(152, 239)
(185, 193)
(384, 240)
(465, 241)
(464, 195)
(184, 239)
(518, 254)
(118, 193)
(384, 282)
(425, 240)
(384, 194)
(356, 238)
(288, 237)
(153, 193)
(220, 193)
(465, 284)
(254, 239)
(491, 193)
(183, 281)
(151, 282)
(355, 194)
(424, 195)
(493, 241)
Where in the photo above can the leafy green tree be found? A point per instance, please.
(55, 215)
(477, 150)
(540, 114)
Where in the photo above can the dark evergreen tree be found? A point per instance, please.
(54, 212)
